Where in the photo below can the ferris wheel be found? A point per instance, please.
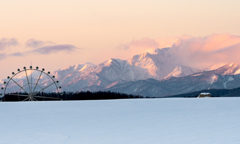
(31, 85)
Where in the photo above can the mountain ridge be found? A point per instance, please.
(224, 77)
(147, 73)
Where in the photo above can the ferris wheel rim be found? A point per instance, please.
(36, 84)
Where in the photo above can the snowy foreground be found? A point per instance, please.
(139, 121)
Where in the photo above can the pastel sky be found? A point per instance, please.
(57, 33)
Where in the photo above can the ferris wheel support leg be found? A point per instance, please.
(26, 99)
(46, 97)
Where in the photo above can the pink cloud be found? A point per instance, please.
(144, 43)
(204, 51)
(199, 52)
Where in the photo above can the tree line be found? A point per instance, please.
(83, 95)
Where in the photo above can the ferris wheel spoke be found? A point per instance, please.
(46, 97)
(26, 99)
(35, 99)
(28, 81)
(43, 89)
(19, 86)
(37, 81)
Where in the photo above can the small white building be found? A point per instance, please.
(204, 94)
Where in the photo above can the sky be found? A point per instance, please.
(59, 33)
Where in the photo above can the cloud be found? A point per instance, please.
(147, 45)
(141, 43)
(2, 56)
(198, 52)
(144, 43)
(17, 54)
(203, 51)
(137, 47)
(4, 43)
(54, 49)
(37, 43)
(123, 46)
(48, 50)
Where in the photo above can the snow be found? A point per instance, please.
(205, 93)
(138, 121)
(225, 83)
(231, 64)
(215, 66)
(237, 72)
(197, 74)
(230, 79)
(213, 79)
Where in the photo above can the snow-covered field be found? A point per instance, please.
(136, 121)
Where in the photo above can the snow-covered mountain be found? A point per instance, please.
(92, 77)
(225, 77)
(156, 65)
(159, 64)
(153, 74)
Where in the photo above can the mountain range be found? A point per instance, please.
(225, 77)
(155, 74)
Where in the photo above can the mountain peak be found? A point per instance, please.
(86, 66)
(214, 66)
(181, 71)
(157, 51)
(113, 61)
(229, 69)
(233, 64)
(230, 65)
(77, 66)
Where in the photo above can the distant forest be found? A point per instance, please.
(84, 95)
(214, 92)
